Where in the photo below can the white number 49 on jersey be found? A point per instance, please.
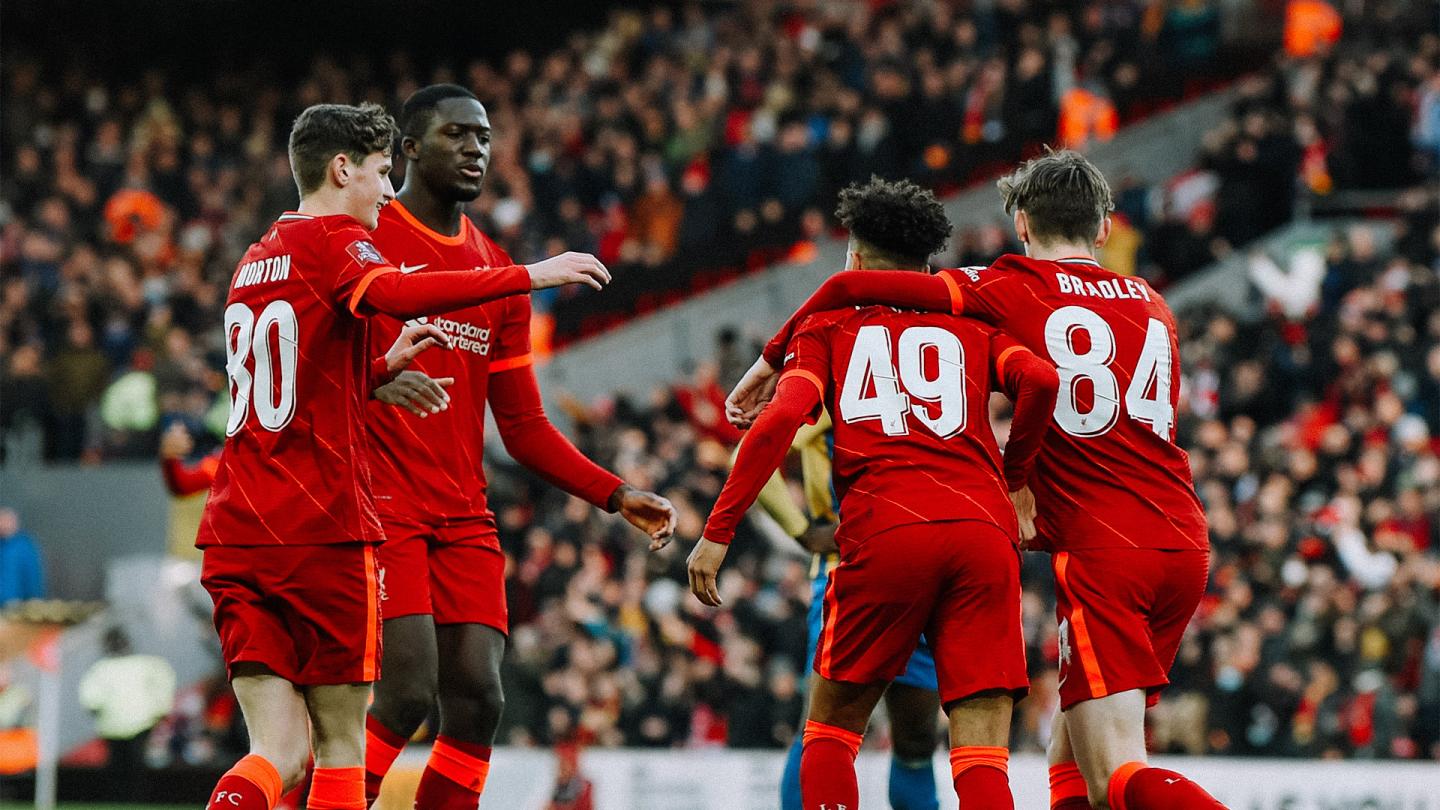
(870, 363)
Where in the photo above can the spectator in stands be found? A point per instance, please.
(128, 694)
(22, 574)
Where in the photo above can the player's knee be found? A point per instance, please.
(476, 704)
(913, 741)
(290, 763)
(490, 703)
(408, 704)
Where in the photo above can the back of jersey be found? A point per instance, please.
(294, 470)
(1109, 473)
(909, 396)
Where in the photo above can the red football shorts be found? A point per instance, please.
(309, 613)
(958, 582)
(455, 573)
(1122, 613)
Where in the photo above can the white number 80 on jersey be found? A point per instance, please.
(246, 335)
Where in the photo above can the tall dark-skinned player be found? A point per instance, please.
(442, 570)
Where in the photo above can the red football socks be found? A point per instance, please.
(337, 789)
(1067, 788)
(1136, 786)
(454, 776)
(253, 784)
(827, 768)
(981, 775)
(382, 746)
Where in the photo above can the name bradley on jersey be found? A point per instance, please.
(1105, 288)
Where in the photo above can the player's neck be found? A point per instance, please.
(322, 202)
(1054, 251)
(440, 216)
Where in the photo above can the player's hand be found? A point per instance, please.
(1024, 502)
(568, 268)
(412, 341)
(751, 394)
(820, 539)
(176, 442)
(703, 566)
(648, 512)
(416, 392)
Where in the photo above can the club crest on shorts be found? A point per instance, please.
(1064, 641)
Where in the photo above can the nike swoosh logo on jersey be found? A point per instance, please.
(406, 268)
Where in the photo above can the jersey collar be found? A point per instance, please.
(293, 216)
(1079, 260)
(427, 231)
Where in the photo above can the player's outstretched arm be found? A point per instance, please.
(409, 296)
(907, 290)
(760, 454)
(532, 440)
(1033, 385)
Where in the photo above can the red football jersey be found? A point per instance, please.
(294, 470)
(431, 468)
(1109, 473)
(909, 395)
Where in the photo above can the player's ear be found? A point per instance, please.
(341, 169)
(1104, 236)
(409, 147)
(1022, 227)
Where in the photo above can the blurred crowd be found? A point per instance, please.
(681, 145)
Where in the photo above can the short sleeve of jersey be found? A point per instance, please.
(511, 346)
(808, 355)
(348, 253)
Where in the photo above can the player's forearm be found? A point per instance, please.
(181, 480)
(409, 296)
(895, 288)
(1032, 384)
(761, 453)
(533, 441)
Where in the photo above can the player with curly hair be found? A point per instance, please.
(927, 536)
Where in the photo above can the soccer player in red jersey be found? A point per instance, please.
(927, 534)
(290, 525)
(1117, 506)
(442, 569)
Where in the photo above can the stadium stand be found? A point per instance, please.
(1313, 390)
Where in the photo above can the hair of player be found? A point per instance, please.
(897, 218)
(1063, 195)
(323, 131)
(417, 110)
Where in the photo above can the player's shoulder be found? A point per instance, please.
(489, 249)
(826, 320)
(1014, 265)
